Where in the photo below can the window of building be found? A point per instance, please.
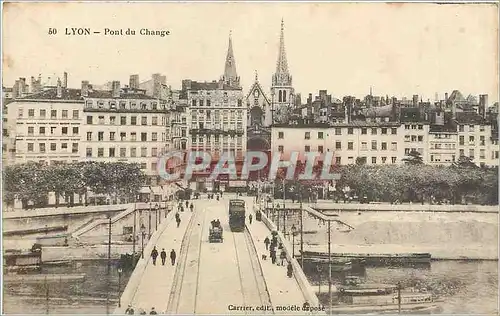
(133, 136)
(482, 154)
(338, 145)
(374, 131)
(74, 148)
(64, 114)
(111, 152)
(112, 120)
(53, 114)
(350, 145)
(133, 152)
(374, 160)
(31, 147)
(41, 130)
(144, 165)
(208, 102)
(320, 149)
(123, 120)
(89, 119)
(123, 152)
(307, 148)
(240, 103)
(350, 131)
(53, 130)
(53, 146)
(374, 145)
(43, 113)
(461, 128)
(183, 133)
(281, 135)
(123, 136)
(133, 120)
(420, 138)
(154, 152)
(41, 147)
(20, 113)
(384, 146)
(338, 131)
(481, 141)
(383, 131)
(64, 145)
(394, 131)
(154, 120)
(193, 102)
(154, 165)
(461, 140)
(100, 152)
(338, 160)
(307, 135)
(31, 130)
(154, 105)
(320, 135)
(280, 148)
(471, 139)
(393, 159)
(144, 152)
(154, 136)
(100, 136)
(88, 152)
(364, 146)
(420, 126)
(363, 130)
(75, 130)
(144, 120)
(65, 130)
(471, 128)
(394, 146)
(144, 137)
(111, 136)
(76, 114)
(384, 159)
(89, 136)
(31, 112)
(471, 153)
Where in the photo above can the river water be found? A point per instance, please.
(466, 287)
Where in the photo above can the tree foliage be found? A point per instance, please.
(32, 182)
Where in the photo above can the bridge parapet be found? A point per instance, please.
(135, 279)
(300, 277)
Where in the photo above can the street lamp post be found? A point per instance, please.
(109, 245)
(284, 213)
(143, 233)
(149, 226)
(329, 264)
(319, 268)
(119, 285)
(301, 230)
(294, 230)
(158, 219)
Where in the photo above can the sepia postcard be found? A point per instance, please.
(248, 158)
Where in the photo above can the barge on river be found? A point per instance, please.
(370, 259)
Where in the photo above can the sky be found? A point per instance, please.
(398, 49)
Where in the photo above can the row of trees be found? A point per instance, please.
(32, 182)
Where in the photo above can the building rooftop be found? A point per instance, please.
(76, 95)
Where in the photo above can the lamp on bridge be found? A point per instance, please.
(143, 233)
(119, 285)
(158, 218)
(294, 231)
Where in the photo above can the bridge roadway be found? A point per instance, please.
(208, 277)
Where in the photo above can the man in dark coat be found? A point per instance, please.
(267, 242)
(250, 218)
(191, 207)
(172, 256)
(154, 255)
(272, 254)
(187, 204)
(289, 269)
(163, 256)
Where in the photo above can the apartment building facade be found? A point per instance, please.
(123, 125)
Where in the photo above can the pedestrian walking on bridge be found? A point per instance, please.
(163, 256)
(267, 242)
(154, 255)
(172, 256)
(250, 218)
(191, 207)
(289, 269)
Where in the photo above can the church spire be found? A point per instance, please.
(282, 76)
(230, 75)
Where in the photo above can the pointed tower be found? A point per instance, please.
(230, 76)
(282, 92)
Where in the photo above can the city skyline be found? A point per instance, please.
(441, 53)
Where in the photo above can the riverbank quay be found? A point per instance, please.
(327, 206)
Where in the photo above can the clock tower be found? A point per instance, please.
(282, 92)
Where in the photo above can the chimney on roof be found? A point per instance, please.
(115, 87)
(134, 82)
(483, 105)
(415, 100)
(446, 97)
(85, 88)
(310, 99)
(439, 118)
(65, 80)
(59, 88)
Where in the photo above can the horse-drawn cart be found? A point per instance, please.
(215, 232)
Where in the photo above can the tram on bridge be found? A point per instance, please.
(237, 215)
